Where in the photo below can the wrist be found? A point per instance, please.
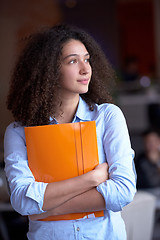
(93, 178)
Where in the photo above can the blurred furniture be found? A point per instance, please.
(135, 109)
(156, 193)
(139, 216)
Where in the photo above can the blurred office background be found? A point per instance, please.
(128, 32)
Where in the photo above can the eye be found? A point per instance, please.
(87, 60)
(73, 61)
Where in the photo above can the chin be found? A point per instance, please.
(82, 91)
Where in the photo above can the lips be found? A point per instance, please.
(83, 81)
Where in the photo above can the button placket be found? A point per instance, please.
(78, 229)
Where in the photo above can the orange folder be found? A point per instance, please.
(61, 151)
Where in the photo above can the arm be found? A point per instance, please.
(24, 191)
(120, 189)
(89, 201)
(58, 193)
(27, 195)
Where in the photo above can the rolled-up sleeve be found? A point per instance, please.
(26, 194)
(120, 189)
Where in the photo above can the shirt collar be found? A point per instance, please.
(83, 111)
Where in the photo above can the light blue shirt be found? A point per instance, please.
(113, 146)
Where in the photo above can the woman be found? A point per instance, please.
(148, 162)
(61, 77)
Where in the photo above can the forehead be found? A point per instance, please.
(152, 136)
(74, 47)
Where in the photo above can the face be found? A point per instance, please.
(75, 68)
(152, 142)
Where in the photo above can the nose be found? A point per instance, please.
(84, 68)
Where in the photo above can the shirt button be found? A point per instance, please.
(78, 228)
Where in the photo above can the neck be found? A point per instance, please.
(67, 109)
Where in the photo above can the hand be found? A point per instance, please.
(101, 173)
(36, 217)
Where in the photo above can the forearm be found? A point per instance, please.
(88, 201)
(60, 192)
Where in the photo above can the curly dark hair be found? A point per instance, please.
(34, 85)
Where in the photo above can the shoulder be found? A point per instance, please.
(14, 128)
(109, 111)
(14, 141)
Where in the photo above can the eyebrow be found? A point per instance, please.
(75, 55)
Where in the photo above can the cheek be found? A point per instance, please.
(90, 69)
(66, 79)
(64, 74)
